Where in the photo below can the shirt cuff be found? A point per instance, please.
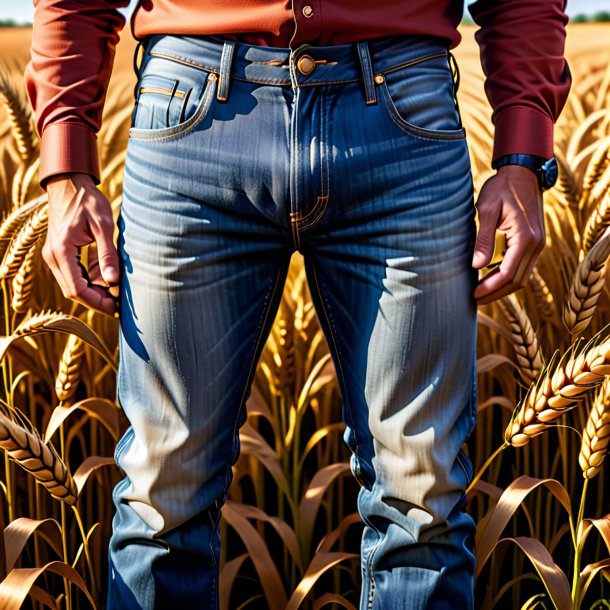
(68, 148)
(523, 130)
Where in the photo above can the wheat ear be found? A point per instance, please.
(70, 368)
(18, 112)
(560, 385)
(566, 182)
(596, 224)
(27, 236)
(23, 281)
(587, 285)
(525, 341)
(596, 433)
(544, 297)
(41, 461)
(14, 221)
(595, 169)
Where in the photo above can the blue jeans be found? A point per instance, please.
(239, 155)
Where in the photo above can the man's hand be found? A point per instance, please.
(510, 201)
(80, 214)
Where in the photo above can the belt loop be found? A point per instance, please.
(224, 80)
(366, 65)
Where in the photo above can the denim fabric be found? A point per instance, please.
(362, 165)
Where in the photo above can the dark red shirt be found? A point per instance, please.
(73, 46)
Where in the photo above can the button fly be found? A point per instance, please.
(306, 65)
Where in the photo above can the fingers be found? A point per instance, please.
(511, 202)
(78, 215)
(74, 284)
(95, 274)
(523, 249)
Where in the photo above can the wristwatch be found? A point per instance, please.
(546, 169)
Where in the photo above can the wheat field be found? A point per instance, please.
(290, 533)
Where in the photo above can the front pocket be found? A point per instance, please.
(419, 98)
(171, 99)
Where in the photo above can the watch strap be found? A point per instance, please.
(532, 161)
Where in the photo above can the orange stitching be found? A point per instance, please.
(413, 62)
(322, 209)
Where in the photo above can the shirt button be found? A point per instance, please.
(307, 12)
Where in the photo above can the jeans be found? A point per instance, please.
(239, 155)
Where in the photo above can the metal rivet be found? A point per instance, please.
(307, 12)
(212, 77)
(306, 65)
(379, 79)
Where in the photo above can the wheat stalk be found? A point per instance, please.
(587, 285)
(27, 236)
(41, 461)
(596, 433)
(525, 342)
(559, 387)
(70, 368)
(24, 281)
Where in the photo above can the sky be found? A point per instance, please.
(22, 10)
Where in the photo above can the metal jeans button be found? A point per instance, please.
(306, 65)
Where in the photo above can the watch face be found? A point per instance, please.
(550, 172)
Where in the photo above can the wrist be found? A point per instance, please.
(520, 170)
(65, 177)
(545, 170)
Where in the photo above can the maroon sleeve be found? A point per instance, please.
(527, 78)
(72, 54)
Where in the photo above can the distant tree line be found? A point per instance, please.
(11, 23)
(596, 17)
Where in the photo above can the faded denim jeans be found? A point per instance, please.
(238, 156)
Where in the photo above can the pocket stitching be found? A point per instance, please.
(414, 130)
(164, 133)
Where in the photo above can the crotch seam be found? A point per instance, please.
(316, 212)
